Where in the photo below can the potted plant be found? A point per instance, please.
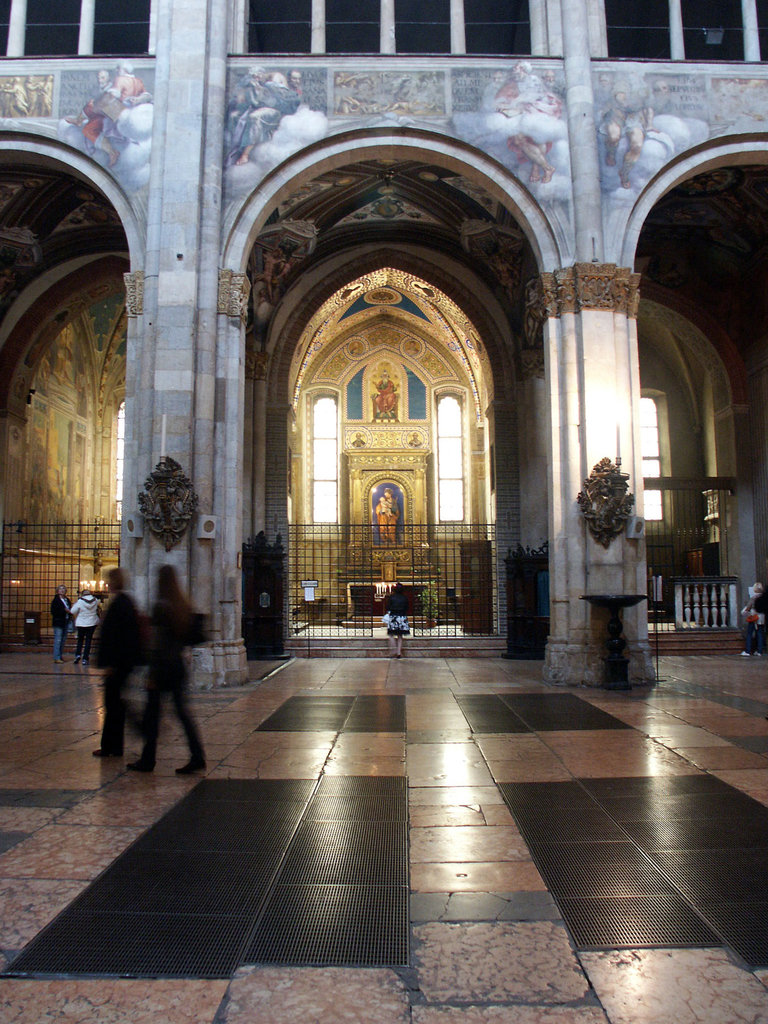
(429, 603)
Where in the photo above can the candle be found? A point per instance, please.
(162, 439)
(618, 445)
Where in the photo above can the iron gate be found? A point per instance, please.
(37, 557)
(448, 572)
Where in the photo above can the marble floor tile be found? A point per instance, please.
(449, 796)
(530, 962)
(467, 843)
(394, 766)
(687, 986)
(81, 851)
(109, 1001)
(431, 816)
(478, 876)
(28, 904)
(285, 995)
(722, 757)
(511, 1014)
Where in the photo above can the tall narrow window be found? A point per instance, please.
(52, 28)
(712, 30)
(423, 26)
(325, 462)
(5, 19)
(450, 461)
(121, 26)
(119, 462)
(280, 28)
(352, 26)
(651, 455)
(638, 30)
(497, 26)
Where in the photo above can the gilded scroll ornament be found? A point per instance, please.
(167, 501)
(605, 501)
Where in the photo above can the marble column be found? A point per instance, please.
(585, 166)
(17, 28)
(458, 31)
(318, 26)
(751, 34)
(87, 19)
(189, 383)
(590, 348)
(387, 42)
(676, 43)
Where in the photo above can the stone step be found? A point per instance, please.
(413, 647)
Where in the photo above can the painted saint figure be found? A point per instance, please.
(387, 514)
(385, 399)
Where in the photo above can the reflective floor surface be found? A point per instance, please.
(488, 942)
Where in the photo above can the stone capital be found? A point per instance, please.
(234, 290)
(256, 365)
(584, 286)
(134, 293)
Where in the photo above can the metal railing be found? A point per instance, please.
(37, 557)
(448, 571)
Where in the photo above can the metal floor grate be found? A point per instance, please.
(487, 713)
(353, 925)
(198, 892)
(309, 714)
(378, 713)
(635, 922)
(544, 712)
(690, 870)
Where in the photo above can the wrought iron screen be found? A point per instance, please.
(692, 538)
(448, 572)
(37, 557)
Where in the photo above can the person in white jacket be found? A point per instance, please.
(85, 613)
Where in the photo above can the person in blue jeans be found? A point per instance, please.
(754, 611)
(60, 620)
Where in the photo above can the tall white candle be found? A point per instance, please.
(162, 439)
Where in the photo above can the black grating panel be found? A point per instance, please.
(333, 925)
(362, 785)
(348, 853)
(487, 713)
(598, 869)
(735, 807)
(567, 825)
(362, 808)
(378, 713)
(656, 786)
(698, 834)
(717, 875)
(744, 926)
(523, 795)
(544, 712)
(185, 899)
(309, 714)
(148, 945)
(635, 922)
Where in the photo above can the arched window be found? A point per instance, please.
(119, 461)
(650, 451)
(325, 460)
(450, 460)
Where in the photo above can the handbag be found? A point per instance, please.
(752, 617)
(385, 618)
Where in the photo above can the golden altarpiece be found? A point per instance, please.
(404, 498)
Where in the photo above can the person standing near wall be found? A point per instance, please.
(119, 652)
(753, 614)
(60, 618)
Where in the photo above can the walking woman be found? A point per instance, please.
(172, 618)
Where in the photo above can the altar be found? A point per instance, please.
(369, 599)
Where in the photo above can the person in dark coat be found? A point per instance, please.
(119, 653)
(397, 628)
(172, 621)
(60, 621)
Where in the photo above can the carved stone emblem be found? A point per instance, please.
(167, 501)
(134, 293)
(605, 502)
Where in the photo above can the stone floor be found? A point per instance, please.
(488, 944)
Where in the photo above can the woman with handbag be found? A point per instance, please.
(173, 627)
(754, 612)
